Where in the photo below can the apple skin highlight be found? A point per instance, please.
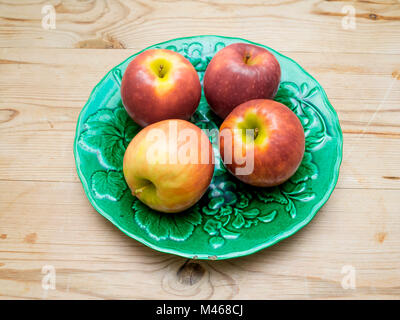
(278, 148)
(165, 185)
(160, 84)
(238, 73)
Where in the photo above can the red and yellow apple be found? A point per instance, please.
(262, 142)
(238, 73)
(169, 165)
(160, 84)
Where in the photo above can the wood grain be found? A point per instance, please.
(45, 219)
(307, 25)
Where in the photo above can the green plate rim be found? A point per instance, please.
(279, 237)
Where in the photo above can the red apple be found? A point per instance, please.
(238, 73)
(169, 165)
(160, 84)
(271, 150)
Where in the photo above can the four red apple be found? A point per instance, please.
(259, 135)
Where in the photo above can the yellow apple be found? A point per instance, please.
(169, 165)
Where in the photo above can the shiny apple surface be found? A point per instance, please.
(238, 73)
(273, 151)
(160, 84)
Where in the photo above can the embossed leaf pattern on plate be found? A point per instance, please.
(230, 210)
(108, 133)
(161, 226)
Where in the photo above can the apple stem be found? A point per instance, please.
(160, 71)
(139, 190)
(255, 132)
(246, 58)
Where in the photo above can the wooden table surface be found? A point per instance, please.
(48, 227)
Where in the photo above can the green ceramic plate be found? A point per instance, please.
(232, 219)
